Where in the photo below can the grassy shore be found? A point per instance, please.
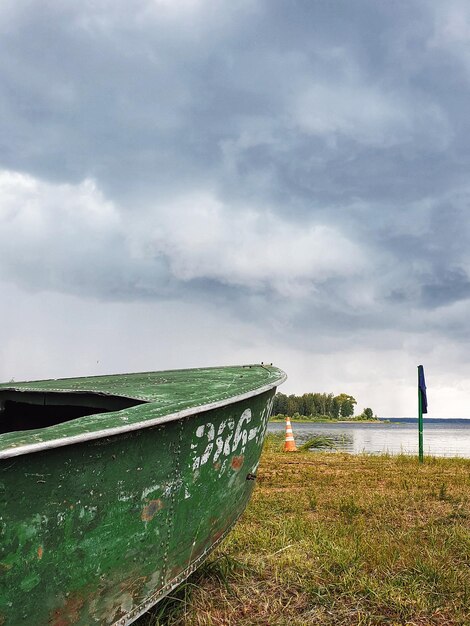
(337, 539)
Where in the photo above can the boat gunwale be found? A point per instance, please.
(28, 386)
(40, 446)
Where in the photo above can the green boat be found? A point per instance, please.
(114, 489)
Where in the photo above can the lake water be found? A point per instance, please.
(442, 437)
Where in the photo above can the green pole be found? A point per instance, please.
(420, 423)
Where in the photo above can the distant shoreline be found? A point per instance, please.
(325, 421)
(379, 420)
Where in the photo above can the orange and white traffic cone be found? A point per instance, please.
(289, 446)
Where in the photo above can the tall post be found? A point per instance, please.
(420, 422)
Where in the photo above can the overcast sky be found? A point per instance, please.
(203, 182)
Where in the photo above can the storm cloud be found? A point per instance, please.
(291, 177)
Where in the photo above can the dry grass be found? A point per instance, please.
(336, 539)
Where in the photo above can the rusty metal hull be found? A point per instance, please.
(98, 531)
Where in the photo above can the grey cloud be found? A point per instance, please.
(133, 102)
(451, 286)
(309, 160)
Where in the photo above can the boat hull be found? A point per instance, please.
(99, 531)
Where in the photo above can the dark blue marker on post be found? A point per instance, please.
(422, 408)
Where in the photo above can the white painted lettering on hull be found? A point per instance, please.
(231, 437)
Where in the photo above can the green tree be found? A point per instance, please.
(328, 403)
(318, 404)
(368, 413)
(347, 404)
(335, 408)
(293, 403)
(308, 404)
(280, 404)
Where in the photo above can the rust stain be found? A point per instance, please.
(40, 552)
(68, 614)
(150, 509)
(116, 598)
(237, 462)
(174, 571)
(133, 585)
(217, 465)
(218, 534)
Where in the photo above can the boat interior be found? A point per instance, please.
(28, 410)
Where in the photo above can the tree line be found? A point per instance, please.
(315, 405)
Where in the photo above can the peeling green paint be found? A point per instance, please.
(163, 394)
(95, 532)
